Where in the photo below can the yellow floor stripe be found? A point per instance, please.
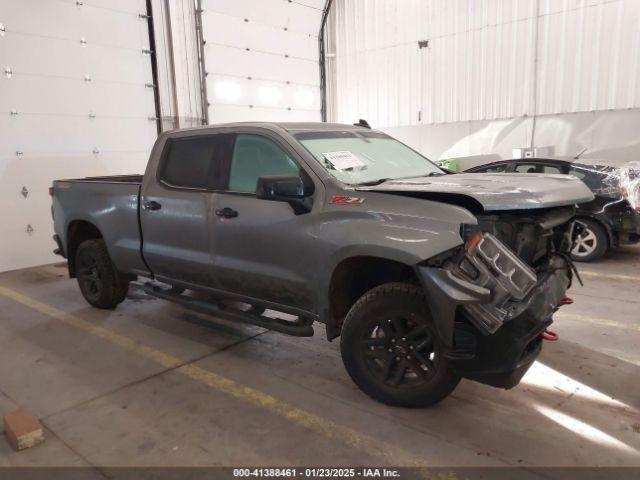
(588, 273)
(303, 418)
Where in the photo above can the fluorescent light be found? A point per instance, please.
(269, 95)
(305, 98)
(227, 90)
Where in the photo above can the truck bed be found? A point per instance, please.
(109, 203)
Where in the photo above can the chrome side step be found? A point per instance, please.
(299, 328)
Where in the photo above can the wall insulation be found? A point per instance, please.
(76, 99)
(261, 59)
(507, 73)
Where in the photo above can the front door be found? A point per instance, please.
(261, 245)
(176, 208)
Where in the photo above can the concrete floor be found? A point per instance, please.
(152, 384)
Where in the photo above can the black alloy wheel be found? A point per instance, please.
(98, 280)
(391, 349)
(399, 351)
(88, 274)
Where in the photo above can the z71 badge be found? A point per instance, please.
(344, 200)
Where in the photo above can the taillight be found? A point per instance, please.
(51, 191)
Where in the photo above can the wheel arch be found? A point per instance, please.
(607, 228)
(355, 275)
(77, 232)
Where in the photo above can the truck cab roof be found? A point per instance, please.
(287, 126)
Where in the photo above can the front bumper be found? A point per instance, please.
(502, 358)
(629, 229)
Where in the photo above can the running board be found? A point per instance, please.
(302, 328)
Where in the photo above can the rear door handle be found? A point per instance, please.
(227, 212)
(152, 205)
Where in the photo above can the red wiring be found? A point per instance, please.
(550, 336)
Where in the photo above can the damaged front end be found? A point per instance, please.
(492, 298)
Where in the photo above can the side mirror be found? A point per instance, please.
(280, 188)
(293, 190)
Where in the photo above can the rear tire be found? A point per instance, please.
(592, 243)
(98, 280)
(391, 350)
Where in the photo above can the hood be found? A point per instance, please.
(493, 191)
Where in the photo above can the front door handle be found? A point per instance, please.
(227, 212)
(152, 205)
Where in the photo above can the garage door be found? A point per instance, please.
(76, 99)
(261, 59)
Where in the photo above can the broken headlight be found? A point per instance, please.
(489, 263)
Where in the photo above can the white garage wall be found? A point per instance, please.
(261, 59)
(76, 99)
(496, 71)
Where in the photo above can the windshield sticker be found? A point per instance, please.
(343, 160)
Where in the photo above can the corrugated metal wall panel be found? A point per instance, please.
(262, 59)
(485, 60)
(75, 100)
(588, 56)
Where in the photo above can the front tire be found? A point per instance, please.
(391, 350)
(98, 280)
(592, 243)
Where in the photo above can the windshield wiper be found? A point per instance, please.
(372, 182)
(428, 174)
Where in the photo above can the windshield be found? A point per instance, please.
(365, 157)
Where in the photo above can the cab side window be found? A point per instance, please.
(494, 169)
(536, 168)
(195, 162)
(256, 156)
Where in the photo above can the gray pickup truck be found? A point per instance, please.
(427, 277)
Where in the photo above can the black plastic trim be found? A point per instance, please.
(300, 312)
(301, 328)
(154, 66)
(445, 293)
(60, 250)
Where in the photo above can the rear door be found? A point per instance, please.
(176, 208)
(262, 245)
